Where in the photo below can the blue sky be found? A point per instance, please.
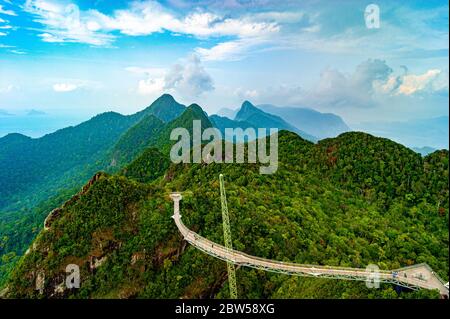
(83, 57)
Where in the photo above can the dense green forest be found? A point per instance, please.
(34, 170)
(348, 201)
(21, 221)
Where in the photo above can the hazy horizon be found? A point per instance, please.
(76, 58)
(33, 124)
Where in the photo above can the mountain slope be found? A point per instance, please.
(319, 124)
(39, 174)
(251, 114)
(135, 140)
(121, 235)
(185, 120)
(165, 108)
(148, 166)
(39, 166)
(378, 168)
(36, 165)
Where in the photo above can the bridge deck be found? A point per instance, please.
(417, 276)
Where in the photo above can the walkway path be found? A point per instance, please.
(413, 277)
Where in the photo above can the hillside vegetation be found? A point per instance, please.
(348, 201)
(37, 175)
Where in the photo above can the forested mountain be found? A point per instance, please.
(32, 170)
(20, 222)
(348, 201)
(185, 120)
(165, 108)
(319, 124)
(135, 140)
(33, 167)
(258, 118)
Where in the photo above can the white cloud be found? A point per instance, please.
(244, 94)
(372, 82)
(7, 89)
(187, 78)
(206, 24)
(337, 89)
(151, 86)
(432, 80)
(5, 28)
(7, 12)
(276, 29)
(64, 87)
(231, 50)
(67, 23)
(147, 17)
(15, 51)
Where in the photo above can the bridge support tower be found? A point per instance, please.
(227, 238)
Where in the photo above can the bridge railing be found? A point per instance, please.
(235, 256)
(270, 261)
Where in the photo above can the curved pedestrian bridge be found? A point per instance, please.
(413, 277)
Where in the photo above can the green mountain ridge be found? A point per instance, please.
(318, 208)
(343, 201)
(29, 166)
(36, 164)
(146, 131)
(166, 108)
(135, 140)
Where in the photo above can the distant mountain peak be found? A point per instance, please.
(247, 109)
(34, 112)
(14, 137)
(196, 107)
(166, 97)
(258, 118)
(247, 104)
(166, 108)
